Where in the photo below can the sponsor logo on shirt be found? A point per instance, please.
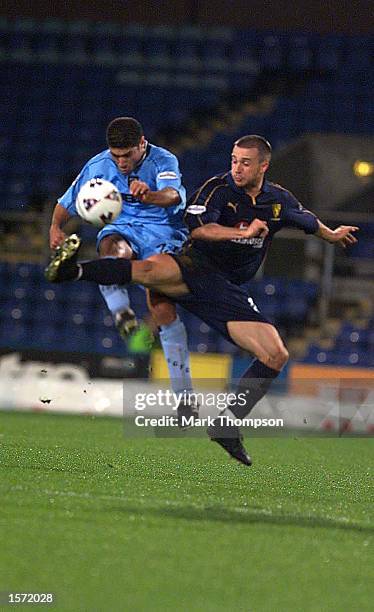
(168, 174)
(196, 209)
(256, 243)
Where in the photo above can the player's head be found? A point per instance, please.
(126, 142)
(250, 159)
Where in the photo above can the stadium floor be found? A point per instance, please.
(108, 523)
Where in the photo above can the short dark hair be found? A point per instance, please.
(256, 142)
(124, 132)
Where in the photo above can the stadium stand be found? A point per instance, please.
(166, 76)
(107, 70)
(79, 319)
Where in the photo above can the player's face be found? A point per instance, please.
(127, 159)
(247, 168)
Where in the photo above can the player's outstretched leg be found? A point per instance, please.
(63, 265)
(160, 272)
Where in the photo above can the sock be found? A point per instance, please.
(116, 297)
(257, 379)
(108, 271)
(173, 339)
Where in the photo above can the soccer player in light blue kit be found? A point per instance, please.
(151, 222)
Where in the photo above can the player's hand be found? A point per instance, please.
(56, 236)
(139, 189)
(344, 235)
(257, 229)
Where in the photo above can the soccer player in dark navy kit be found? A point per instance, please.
(230, 202)
(232, 219)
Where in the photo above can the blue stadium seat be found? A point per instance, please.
(129, 52)
(185, 52)
(226, 347)
(273, 287)
(268, 308)
(77, 339)
(108, 342)
(328, 50)
(349, 359)
(157, 52)
(271, 52)
(303, 288)
(14, 333)
(45, 336)
(20, 41)
(201, 338)
(299, 53)
(49, 312)
(358, 53)
(78, 315)
(102, 320)
(15, 310)
(215, 56)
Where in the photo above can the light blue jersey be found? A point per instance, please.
(149, 229)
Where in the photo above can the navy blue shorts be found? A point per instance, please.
(213, 298)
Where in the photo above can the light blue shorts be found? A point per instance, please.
(147, 240)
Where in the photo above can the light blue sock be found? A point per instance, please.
(116, 297)
(173, 339)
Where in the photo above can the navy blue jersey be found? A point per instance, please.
(220, 201)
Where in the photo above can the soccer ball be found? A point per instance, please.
(99, 202)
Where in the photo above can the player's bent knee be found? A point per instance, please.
(283, 356)
(108, 247)
(115, 246)
(278, 359)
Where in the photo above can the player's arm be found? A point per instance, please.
(343, 235)
(59, 218)
(168, 181)
(216, 232)
(168, 196)
(298, 216)
(65, 208)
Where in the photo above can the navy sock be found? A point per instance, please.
(108, 271)
(254, 384)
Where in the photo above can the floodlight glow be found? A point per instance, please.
(363, 168)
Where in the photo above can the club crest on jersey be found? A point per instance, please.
(276, 208)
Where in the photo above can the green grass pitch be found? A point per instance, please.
(109, 523)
